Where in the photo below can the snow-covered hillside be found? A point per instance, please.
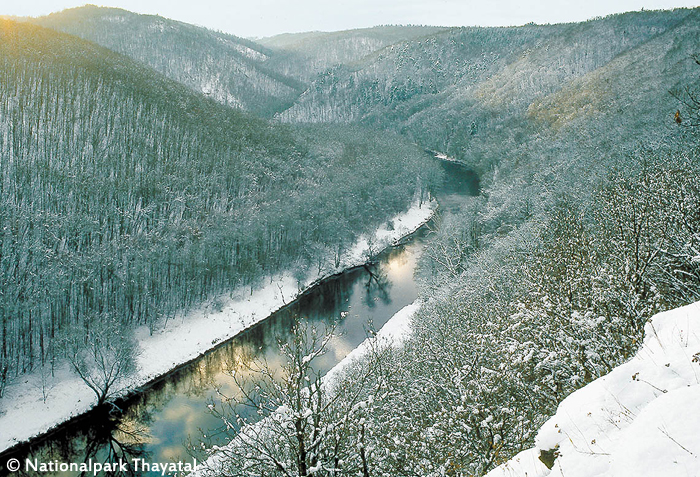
(26, 413)
(642, 419)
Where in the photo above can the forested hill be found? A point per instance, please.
(585, 137)
(229, 69)
(305, 55)
(125, 197)
(466, 91)
(264, 77)
(446, 88)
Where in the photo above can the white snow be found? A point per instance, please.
(643, 418)
(213, 87)
(24, 414)
(444, 157)
(250, 53)
(525, 464)
(392, 333)
(114, 19)
(244, 50)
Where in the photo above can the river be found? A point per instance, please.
(162, 422)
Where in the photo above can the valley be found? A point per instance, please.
(159, 176)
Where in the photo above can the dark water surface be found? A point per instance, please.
(159, 424)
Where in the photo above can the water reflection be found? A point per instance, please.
(164, 423)
(103, 439)
(458, 182)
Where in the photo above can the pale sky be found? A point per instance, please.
(259, 18)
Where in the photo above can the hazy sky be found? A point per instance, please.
(257, 18)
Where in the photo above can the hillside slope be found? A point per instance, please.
(467, 91)
(587, 224)
(627, 422)
(265, 76)
(229, 69)
(126, 198)
(304, 55)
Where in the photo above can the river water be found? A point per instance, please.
(165, 420)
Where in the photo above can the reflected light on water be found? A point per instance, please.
(402, 263)
(158, 422)
(340, 347)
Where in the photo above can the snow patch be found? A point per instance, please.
(640, 419)
(24, 414)
(157, 26)
(392, 333)
(445, 157)
(244, 50)
(250, 53)
(114, 19)
(525, 464)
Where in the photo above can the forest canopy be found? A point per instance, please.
(127, 198)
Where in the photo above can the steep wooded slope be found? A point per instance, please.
(588, 224)
(265, 76)
(467, 91)
(304, 55)
(229, 69)
(125, 197)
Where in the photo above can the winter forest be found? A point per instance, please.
(152, 169)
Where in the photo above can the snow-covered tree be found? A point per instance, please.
(285, 421)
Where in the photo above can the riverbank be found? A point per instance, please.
(34, 406)
(392, 333)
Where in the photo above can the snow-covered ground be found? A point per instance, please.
(391, 334)
(24, 413)
(641, 419)
(445, 157)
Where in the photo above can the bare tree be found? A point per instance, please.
(103, 356)
(288, 421)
